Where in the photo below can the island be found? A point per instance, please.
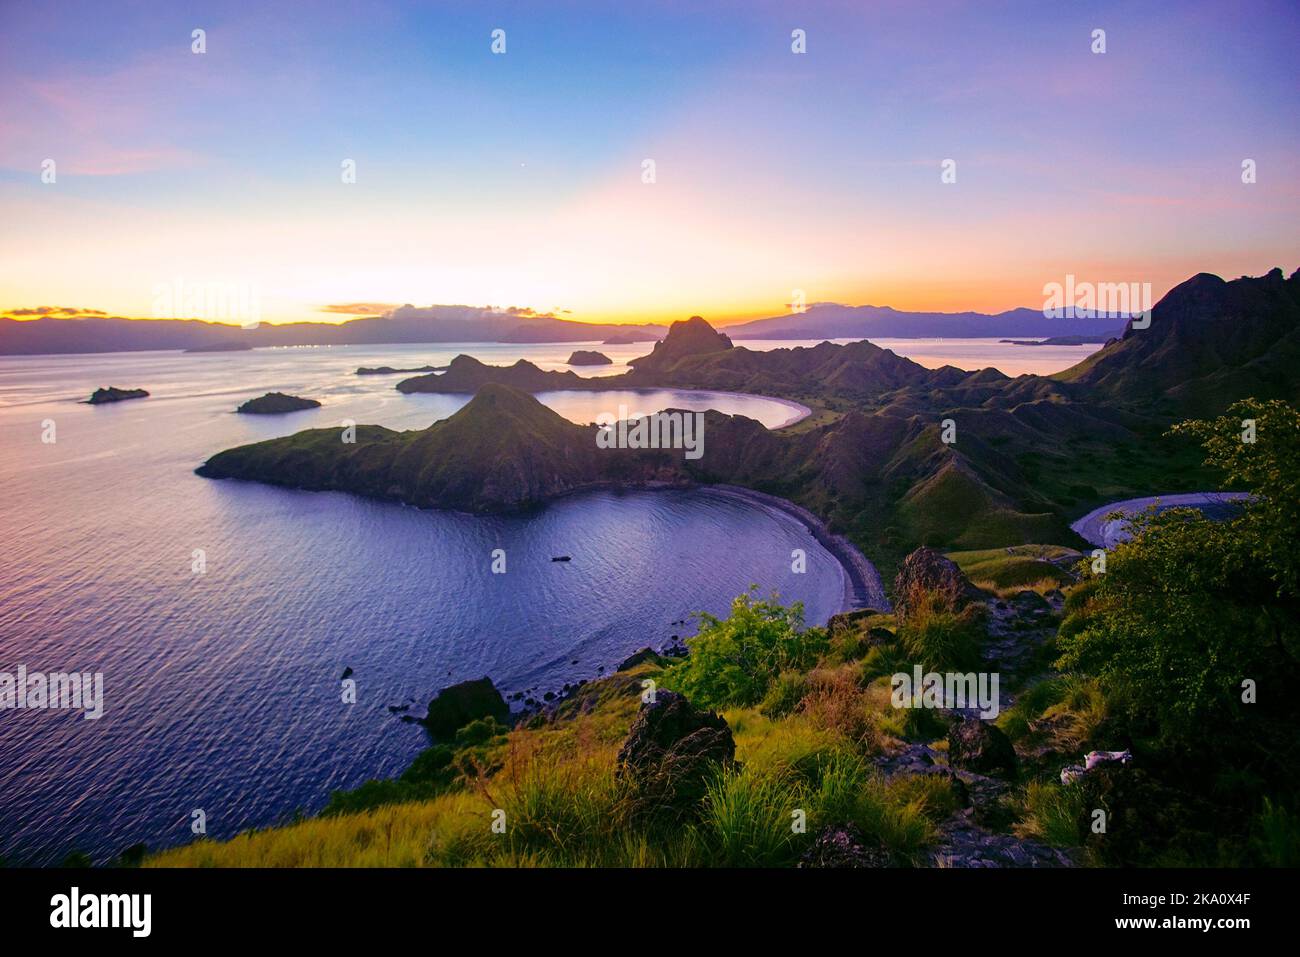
(110, 393)
(276, 403)
(389, 370)
(585, 357)
(1064, 340)
(629, 340)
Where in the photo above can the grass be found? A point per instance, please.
(1065, 712)
(940, 639)
(1052, 813)
(1017, 567)
(563, 806)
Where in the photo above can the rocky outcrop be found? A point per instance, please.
(842, 845)
(110, 393)
(980, 746)
(460, 704)
(671, 751)
(276, 403)
(925, 571)
(693, 337)
(641, 657)
(587, 357)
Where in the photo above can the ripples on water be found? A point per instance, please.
(222, 689)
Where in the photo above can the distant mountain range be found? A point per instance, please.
(828, 320)
(51, 335)
(440, 324)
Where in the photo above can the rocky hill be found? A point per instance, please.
(1210, 342)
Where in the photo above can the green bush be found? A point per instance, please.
(734, 660)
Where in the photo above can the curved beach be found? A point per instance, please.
(863, 586)
(1096, 529)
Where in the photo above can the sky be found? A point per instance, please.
(518, 178)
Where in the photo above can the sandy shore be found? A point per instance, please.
(863, 587)
(1095, 529)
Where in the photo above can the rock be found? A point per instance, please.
(670, 752)
(587, 357)
(133, 856)
(640, 657)
(842, 845)
(847, 622)
(113, 394)
(964, 843)
(460, 704)
(925, 570)
(980, 746)
(276, 403)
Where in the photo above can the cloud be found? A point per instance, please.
(360, 308)
(60, 312)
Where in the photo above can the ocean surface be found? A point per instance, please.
(222, 688)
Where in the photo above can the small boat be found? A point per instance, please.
(561, 558)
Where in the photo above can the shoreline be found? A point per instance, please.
(1094, 529)
(863, 586)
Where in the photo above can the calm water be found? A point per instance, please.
(222, 689)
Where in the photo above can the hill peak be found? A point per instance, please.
(687, 337)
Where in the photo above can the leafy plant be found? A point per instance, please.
(733, 661)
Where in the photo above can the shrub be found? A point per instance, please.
(734, 660)
(1276, 836)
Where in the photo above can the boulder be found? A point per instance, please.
(842, 845)
(460, 704)
(979, 746)
(641, 657)
(671, 750)
(925, 570)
